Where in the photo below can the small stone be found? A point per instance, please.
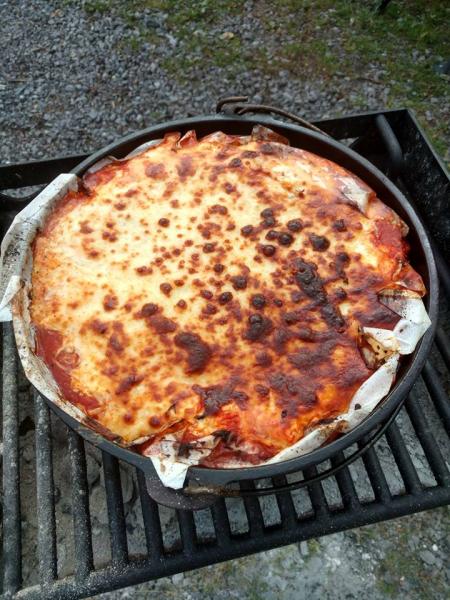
(427, 557)
(66, 507)
(227, 35)
(438, 562)
(93, 470)
(98, 504)
(177, 578)
(127, 484)
(304, 550)
(28, 453)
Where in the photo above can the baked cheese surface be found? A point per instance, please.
(217, 286)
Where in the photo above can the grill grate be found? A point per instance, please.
(403, 473)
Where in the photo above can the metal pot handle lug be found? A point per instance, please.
(239, 105)
(178, 499)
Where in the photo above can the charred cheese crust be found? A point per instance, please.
(215, 286)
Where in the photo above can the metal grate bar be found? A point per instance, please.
(376, 475)
(443, 343)
(426, 438)
(317, 495)
(36, 172)
(392, 146)
(403, 460)
(152, 524)
(11, 489)
(345, 483)
(253, 510)
(111, 578)
(221, 523)
(437, 393)
(45, 494)
(80, 507)
(285, 503)
(116, 517)
(187, 530)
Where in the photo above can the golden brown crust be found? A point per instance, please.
(215, 286)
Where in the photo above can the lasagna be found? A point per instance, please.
(223, 289)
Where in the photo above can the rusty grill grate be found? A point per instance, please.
(49, 483)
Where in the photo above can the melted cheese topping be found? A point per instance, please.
(215, 287)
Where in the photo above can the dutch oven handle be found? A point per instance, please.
(239, 105)
(177, 499)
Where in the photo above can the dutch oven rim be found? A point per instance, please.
(363, 169)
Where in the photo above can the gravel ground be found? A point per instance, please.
(71, 81)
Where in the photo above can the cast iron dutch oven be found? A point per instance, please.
(204, 485)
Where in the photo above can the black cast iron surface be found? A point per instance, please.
(403, 153)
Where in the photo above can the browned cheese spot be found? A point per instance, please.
(110, 302)
(198, 352)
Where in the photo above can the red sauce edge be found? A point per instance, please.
(48, 343)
